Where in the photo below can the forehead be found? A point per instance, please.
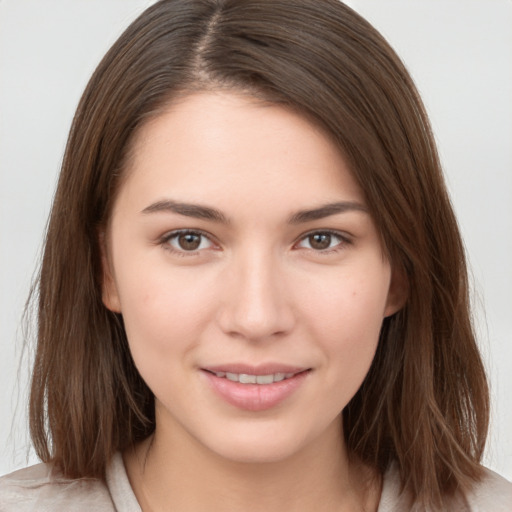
(228, 147)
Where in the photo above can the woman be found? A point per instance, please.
(253, 293)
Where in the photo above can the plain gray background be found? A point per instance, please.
(460, 55)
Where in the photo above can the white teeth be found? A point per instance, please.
(245, 378)
(264, 379)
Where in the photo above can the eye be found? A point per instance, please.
(188, 241)
(322, 241)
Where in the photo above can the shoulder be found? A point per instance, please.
(493, 492)
(42, 488)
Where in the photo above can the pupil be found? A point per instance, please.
(320, 241)
(189, 242)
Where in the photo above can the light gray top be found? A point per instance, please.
(40, 489)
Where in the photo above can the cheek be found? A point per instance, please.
(163, 312)
(349, 303)
(345, 319)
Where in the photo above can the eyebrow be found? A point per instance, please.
(212, 214)
(326, 210)
(188, 210)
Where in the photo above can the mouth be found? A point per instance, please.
(247, 378)
(255, 389)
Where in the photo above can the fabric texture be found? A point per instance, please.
(39, 488)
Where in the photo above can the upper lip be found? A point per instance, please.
(261, 369)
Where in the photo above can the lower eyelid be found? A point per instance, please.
(166, 239)
(343, 239)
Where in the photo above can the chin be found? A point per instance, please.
(261, 446)
(248, 453)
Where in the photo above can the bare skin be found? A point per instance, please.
(253, 286)
(326, 483)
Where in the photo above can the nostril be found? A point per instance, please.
(254, 305)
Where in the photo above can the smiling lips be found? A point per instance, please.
(245, 378)
(255, 389)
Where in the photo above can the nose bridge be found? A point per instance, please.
(257, 305)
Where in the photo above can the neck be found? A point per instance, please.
(170, 473)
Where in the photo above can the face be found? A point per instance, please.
(249, 275)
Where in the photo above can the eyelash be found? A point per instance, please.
(344, 240)
(166, 239)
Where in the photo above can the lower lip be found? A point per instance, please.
(255, 397)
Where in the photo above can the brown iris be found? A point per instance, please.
(189, 241)
(320, 241)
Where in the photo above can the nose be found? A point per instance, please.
(256, 304)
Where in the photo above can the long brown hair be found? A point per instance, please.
(424, 403)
